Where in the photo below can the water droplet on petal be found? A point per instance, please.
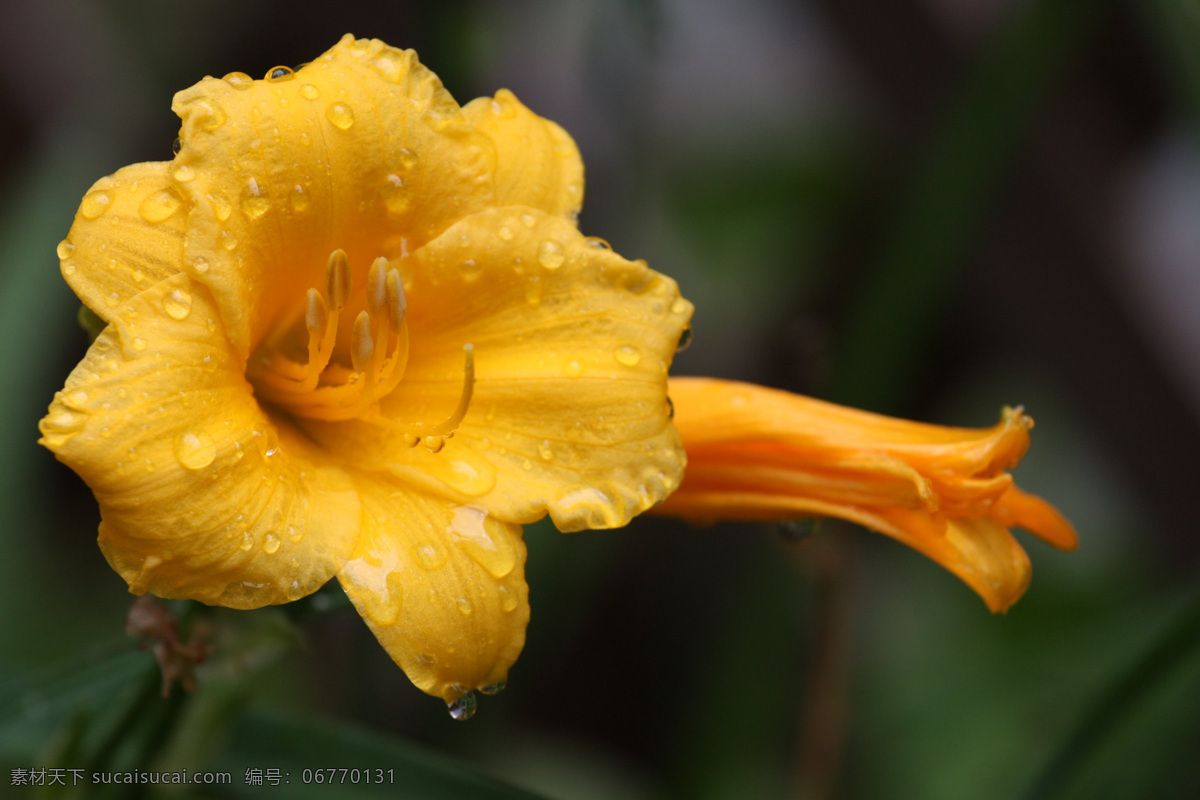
(508, 599)
(340, 115)
(294, 534)
(228, 240)
(464, 707)
(680, 306)
(396, 194)
(239, 80)
(271, 544)
(177, 304)
(183, 173)
(200, 264)
(410, 439)
(685, 340)
(94, 204)
(469, 269)
(139, 344)
(628, 355)
(255, 201)
(64, 249)
(573, 369)
(298, 198)
(176, 145)
(159, 207)
(464, 606)
(281, 74)
(389, 64)
(429, 555)
(195, 449)
(309, 92)
(221, 206)
(551, 255)
(495, 688)
(408, 159)
(544, 450)
(247, 542)
(434, 444)
(505, 233)
(528, 220)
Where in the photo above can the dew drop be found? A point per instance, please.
(390, 65)
(255, 201)
(139, 344)
(670, 409)
(410, 439)
(139, 276)
(279, 74)
(176, 145)
(195, 449)
(271, 544)
(551, 255)
(544, 450)
(294, 535)
(464, 606)
(159, 206)
(797, 530)
(464, 707)
(396, 194)
(64, 249)
(77, 397)
(298, 198)
(94, 204)
(408, 159)
(528, 220)
(527, 465)
(183, 173)
(221, 206)
(505, 233)
(434, 444)
(573, 369)
(340, 115)
(685, 340)
(428, 555)
(112, 299)
(470, 269)
(597, 242)
(309, 92)
(228, 240)
(200, 264)
(680, 306)
(508, 599)
(69, 268)
(628, 355)
(495, 688)
(239, 80)
(177, 304)
(247, 542)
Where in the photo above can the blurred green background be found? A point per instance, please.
(928, 208)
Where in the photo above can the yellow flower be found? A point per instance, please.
(762, 454)
(354, 331)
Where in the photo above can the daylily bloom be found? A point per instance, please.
(354, 331)
(762, 454)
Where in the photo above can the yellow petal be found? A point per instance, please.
(537, 162)
(127, 236)
(363, 150)
(201, 493)
(569, 414)
(441, 585)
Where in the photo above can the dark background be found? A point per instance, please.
(930, 208)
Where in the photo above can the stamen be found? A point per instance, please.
(448, 426)
(337, 278)
(377, 286)
(316, 313)
(397, 301)
(362, 346)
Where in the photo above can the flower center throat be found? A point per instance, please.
(320, 387)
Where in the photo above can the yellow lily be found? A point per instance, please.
(354, 331)
(761, 454)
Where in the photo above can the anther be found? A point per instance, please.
(337, 278)
(377, 285)
(316, 312)
(397, 302)
(447, 427)
(362, 346)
